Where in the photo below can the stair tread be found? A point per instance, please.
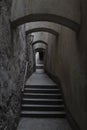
(36, 99)
(42, 89)
(55, 85)
(29, 105)
(52, 94)
(43, 112)
(42, 101)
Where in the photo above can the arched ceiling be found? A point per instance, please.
(39, 44)
(40, 50)
(42, 36)
(64, 12)
(42, 30)
(39, 41)
(48, 26)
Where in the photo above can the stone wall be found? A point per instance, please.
(30, 56)
(12, 65)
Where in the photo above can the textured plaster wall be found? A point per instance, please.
(63, 61)
(49, 56)
(12, 64)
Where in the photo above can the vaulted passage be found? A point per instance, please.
(43, 64)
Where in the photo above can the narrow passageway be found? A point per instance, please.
(42, 104)
(51, 37)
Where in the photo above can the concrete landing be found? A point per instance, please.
(43, 124)
(39, 78)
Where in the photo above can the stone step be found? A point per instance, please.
(41, 95)
(48, 114)
(42, 90)
(43, 86)
(27, 107)
(42, 101)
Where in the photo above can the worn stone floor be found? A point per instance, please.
(40, 78)
(43, 124)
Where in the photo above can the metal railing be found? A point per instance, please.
(25, 76)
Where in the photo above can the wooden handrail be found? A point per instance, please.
(25, 76)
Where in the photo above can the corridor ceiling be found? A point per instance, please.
(46, 10)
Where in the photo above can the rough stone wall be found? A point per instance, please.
(12, 64)
(65, 63)
(30, 56)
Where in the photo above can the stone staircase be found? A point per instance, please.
(42, 101)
